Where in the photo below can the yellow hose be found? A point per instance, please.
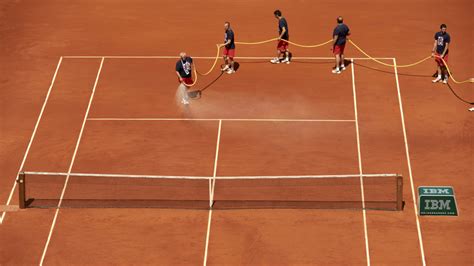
(471, 80)
(214, 64)
(319, 45)
(254, 43)
(410, 65)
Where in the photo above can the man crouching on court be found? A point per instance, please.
(185, 79)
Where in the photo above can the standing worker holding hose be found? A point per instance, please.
(283, 54)
(440, 53)
(229, 49)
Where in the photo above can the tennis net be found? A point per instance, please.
(85, 190)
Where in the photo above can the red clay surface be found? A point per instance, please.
(35, 34)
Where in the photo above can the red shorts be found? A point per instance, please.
(229, 53)
(282, 46)
(439, 61)
(187, 81)
(339, 49)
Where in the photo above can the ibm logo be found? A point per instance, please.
(437, 191)
(433, 204)
(437, 201)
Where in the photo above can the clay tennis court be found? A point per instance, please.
(89, 88)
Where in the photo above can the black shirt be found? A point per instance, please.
(229, 35)
(283, 24)
(184, 67)
(441, 41)
(341, 31)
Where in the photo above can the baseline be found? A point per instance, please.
(211, 57)
(218, 119)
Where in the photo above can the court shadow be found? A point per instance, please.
(391, 72)
(459, 97)
(197, 93)
(416, 76)
(237, 204)
(313, 62)
(260, 61)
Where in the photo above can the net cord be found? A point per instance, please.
(208, 177)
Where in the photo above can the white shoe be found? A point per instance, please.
(225, 68)
(336, 71)
(230, 71)
(343, 67)
(438, 79)
(286, 60)
(275, 60)
(445, 81)
(185, 102)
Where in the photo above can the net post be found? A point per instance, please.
(399, 193)
(21, 190)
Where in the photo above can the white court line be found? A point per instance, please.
(12, 191)
(207, 236)
(211, 198)
(209, 57)
(214, 175)
(217, 119)
(407, 152)
(364, 214)
(207, 177)
(72, 162)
